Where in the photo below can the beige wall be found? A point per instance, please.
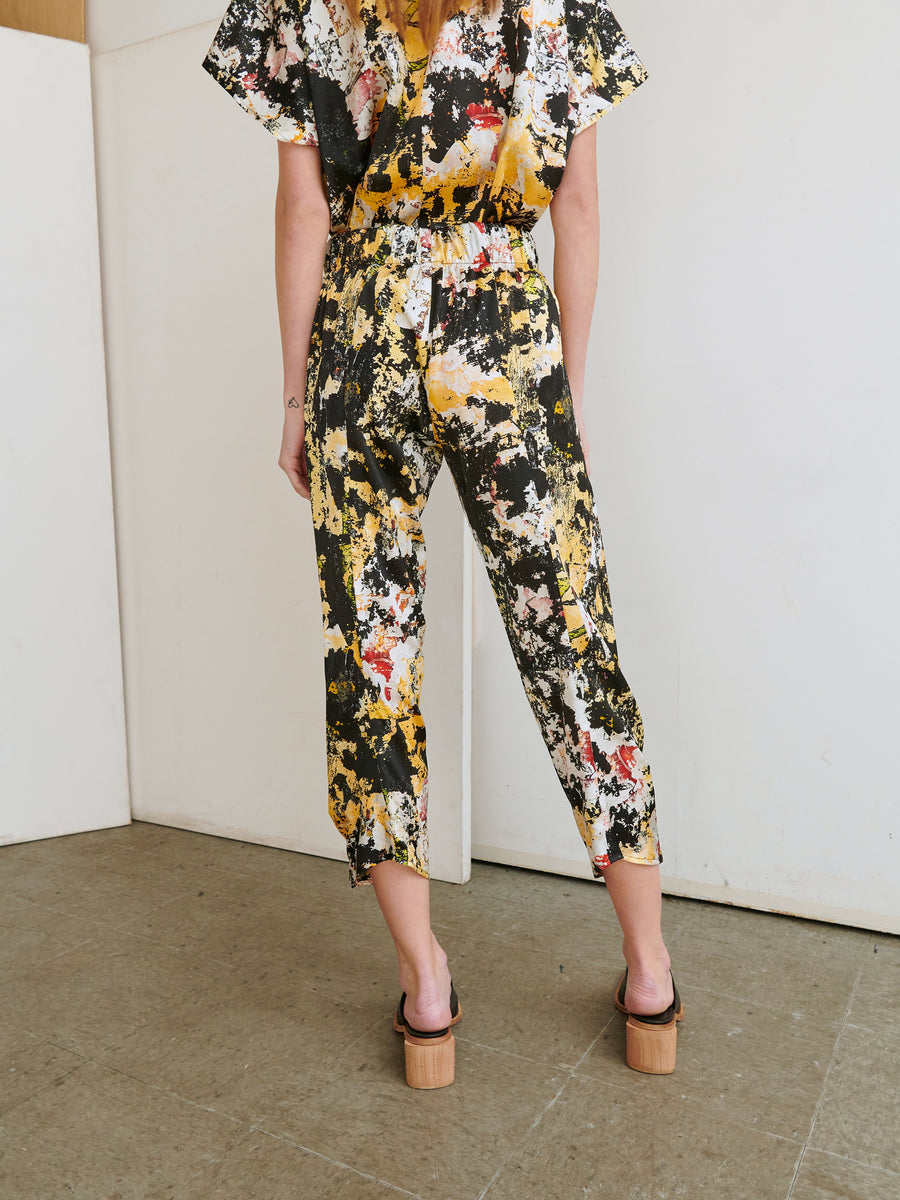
(62, 727)
(220, 604)
(112, 24)
(744, 425)
(58, 18)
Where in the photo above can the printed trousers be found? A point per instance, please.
(444, 343)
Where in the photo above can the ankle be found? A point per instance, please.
(646, 958)
(426, 975)
(431, 978)
(438, 955)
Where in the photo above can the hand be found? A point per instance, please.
(292, 458)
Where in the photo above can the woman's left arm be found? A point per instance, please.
(302, 222)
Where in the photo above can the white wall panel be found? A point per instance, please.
(742, 422)
(221, 611)
(62, 730)
(112, 24)
(743, 419)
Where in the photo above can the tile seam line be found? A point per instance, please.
(335, 1162)
(537, 1062)
(43, 1088)
(59, 1046)
(167, 1092)
(40, 857)
(96, 939)
(537, 1120)
(154, 37)
(523, 1141)
(11, 973)
(815, 1116)
(779, 1008)
(609, 1022)
(578, 1073)
(856, 1162)
(102, 924)
(363, 1037)
(540, 1062)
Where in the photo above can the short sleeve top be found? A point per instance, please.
(478, 130)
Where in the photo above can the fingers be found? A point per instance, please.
(292, 458)
(294, 466)
(297, 475)
(298, 482)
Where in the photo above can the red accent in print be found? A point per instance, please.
(587, 750)
(553, 40)
(367, 86)
(602, 860)
(623, 761)
(483, 116)
(380, 661)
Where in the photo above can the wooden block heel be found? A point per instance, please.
(650, 1040)
(430, 1056)
(430, 1062)
(650, 1048)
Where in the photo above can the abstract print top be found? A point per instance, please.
(477, 131)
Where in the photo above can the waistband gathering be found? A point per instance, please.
(470, 243)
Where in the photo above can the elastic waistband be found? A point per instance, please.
(470, 243)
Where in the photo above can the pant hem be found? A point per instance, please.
(360, 870)
(624, 856)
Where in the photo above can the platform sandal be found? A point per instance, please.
(430, 1055)
(650, 1037)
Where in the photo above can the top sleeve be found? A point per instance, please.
(258, 55)
(603, 67)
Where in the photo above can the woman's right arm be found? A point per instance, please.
(302, 222)
(574, 212)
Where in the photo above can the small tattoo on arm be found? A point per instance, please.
(292, 403)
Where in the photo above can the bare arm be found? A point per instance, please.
(574, 212)
(301, 234)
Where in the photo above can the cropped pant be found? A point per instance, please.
(444, 342)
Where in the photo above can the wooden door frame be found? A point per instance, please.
(55, 18)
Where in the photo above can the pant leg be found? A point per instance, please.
(498, 388)
(372, 459)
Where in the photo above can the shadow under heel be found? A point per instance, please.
(650, 1039)
(430, 1056)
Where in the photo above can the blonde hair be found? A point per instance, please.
(431, 14)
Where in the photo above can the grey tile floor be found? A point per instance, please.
(191, 1018)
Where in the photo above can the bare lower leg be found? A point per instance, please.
(403, 897)
(634, 889)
